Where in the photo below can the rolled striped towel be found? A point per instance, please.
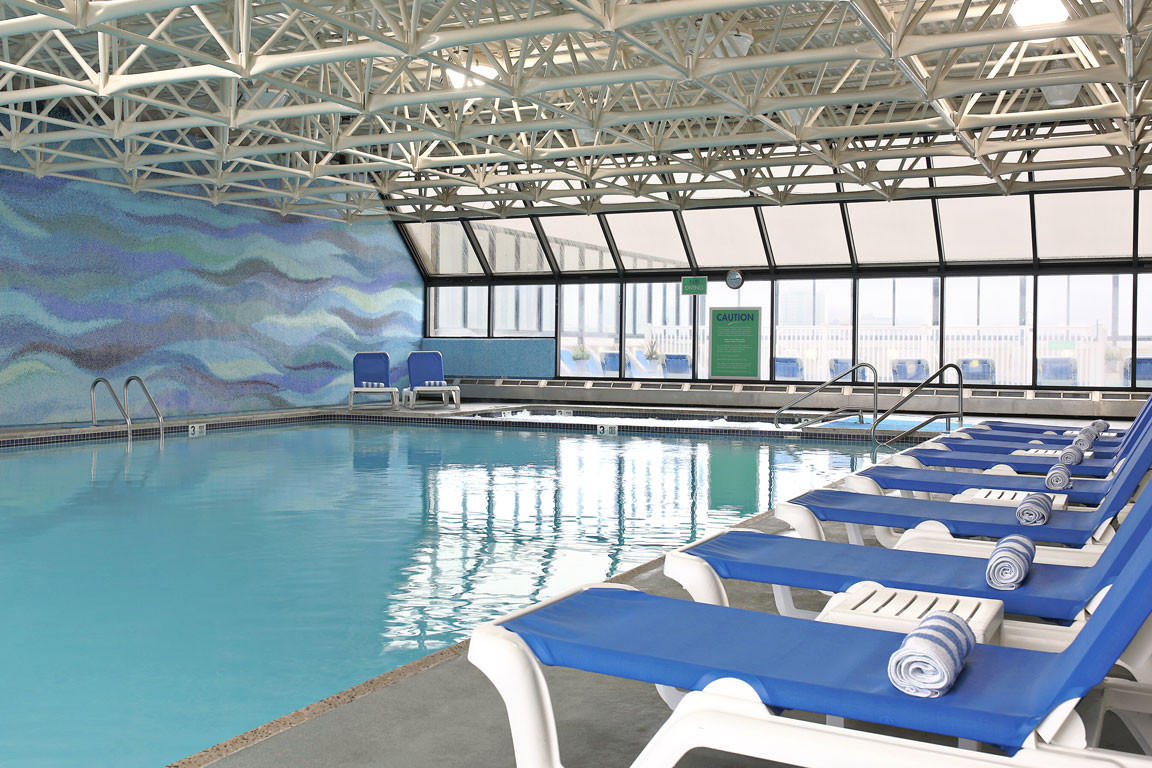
(1084, 439)
(1071, 455)
(1100, 426)
(1009, 563)
(931, 656)
(1059, 478)
(1035, 509)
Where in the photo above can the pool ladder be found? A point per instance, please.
(122, 403)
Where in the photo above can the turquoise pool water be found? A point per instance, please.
(158, 601)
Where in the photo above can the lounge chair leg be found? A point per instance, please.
(507, 661)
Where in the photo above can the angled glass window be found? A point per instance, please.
(1086, 162)
(1084, 225)
(725, 237)
(511, 245)
(813, 328)
(899, 326)
(753, 294)
(524, 310)
(806, 234)
(986, 228)
(443, 248)
(589, 330)
(902, 231)
(648, 240)
(458, 310)
(1143, 363)
(657, 331)
(578, 243)
(1084, 330)
(988, 328)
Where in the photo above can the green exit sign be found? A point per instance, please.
(693, 286)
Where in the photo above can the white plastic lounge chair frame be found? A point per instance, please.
(728, 715)
(392, 392)
(449, 395)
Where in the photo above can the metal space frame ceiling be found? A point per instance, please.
(477, 108)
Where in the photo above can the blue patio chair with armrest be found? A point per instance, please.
(426, 377)
(677, 367)
(611, 363)
(745, 668)
(838, 365)
(1143, 371)
(1057, 371)
(909, 369)
(978, 370)
(788, 369)
(372, 375)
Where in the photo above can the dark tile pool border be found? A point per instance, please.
(41, 436)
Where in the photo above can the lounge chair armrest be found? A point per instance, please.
(801, 519)
(696, 576)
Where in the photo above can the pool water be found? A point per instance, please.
(156, 601)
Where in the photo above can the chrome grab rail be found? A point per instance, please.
(119, 405)
(151, 402)
(958, 413)
(832, 414)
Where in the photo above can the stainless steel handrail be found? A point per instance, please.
(838, 411)
(151, 402)
(958, 413)
(119, 405)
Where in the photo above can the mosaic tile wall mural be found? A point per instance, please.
(218, 309)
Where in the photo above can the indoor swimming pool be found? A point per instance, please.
(159, 600)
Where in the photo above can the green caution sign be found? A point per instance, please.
(693, 286)
(735, 343)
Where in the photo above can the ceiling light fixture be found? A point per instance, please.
(1032, 13)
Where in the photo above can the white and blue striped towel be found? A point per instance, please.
(1009, 563)
(1100, 426)
(1071, 455)
(928, 661)
(1035, 509)
(1059, 478)
(437, 383)
(1084, 439)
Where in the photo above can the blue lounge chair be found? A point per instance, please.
(372, 375)
(1023, 427)
(910, 369)
(789, 369)
(837, 366)
(955, 443)
(745, 667)
(568, 365)
(1052, 591)
(677, 367)
(426, 377)
(1056, 371)
(645, 369)
(978, 370)
(931, 456)
(1090, 491)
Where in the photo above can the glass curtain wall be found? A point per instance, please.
(458, 310)
(1084, 327)
(754, 294)
(898, 326)
(988, 328)
(524, 310)
(657, 331)
(1143, 362)
(590, 330)
(813, 328)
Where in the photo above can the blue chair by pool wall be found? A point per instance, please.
(978, 370)
(426, 377)
(1057, 371)
(909, 369)
(372, 375)
(789, 369)
(1143, 371)
(677, 366)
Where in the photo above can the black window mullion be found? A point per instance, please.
(475, 243)
(764, 239)
(683, 230)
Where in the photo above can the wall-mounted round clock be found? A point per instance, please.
(734, 279)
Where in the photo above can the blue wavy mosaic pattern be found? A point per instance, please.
(218, 309)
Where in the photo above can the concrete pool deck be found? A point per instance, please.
(446, 714)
